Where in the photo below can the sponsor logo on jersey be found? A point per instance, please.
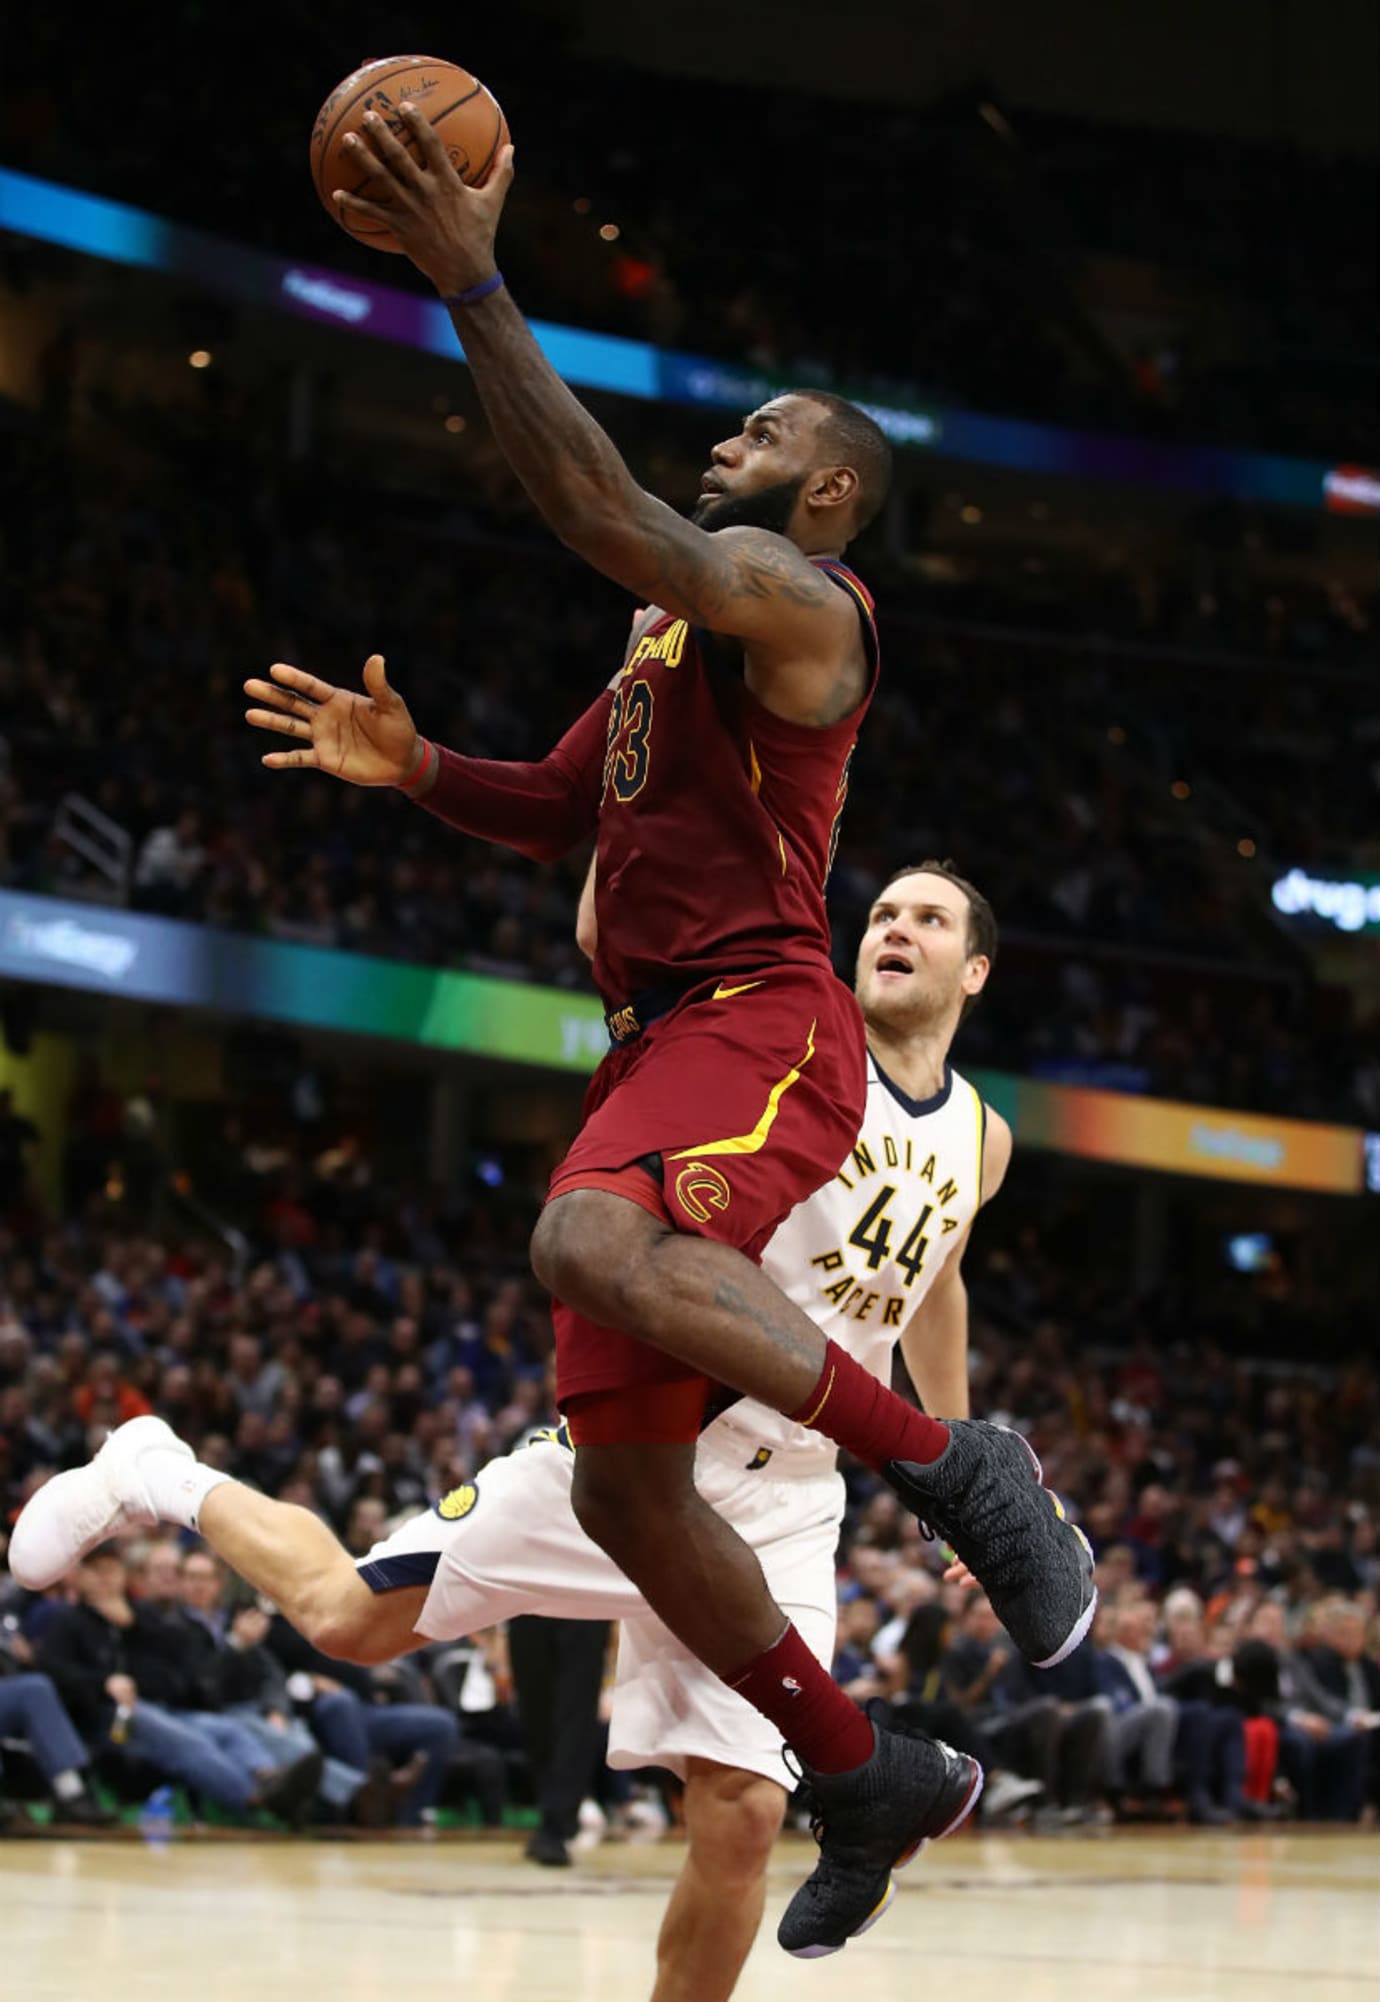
(700, 1188)
(458, 1502)
(722, 993)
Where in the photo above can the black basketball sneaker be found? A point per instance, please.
(983, 1496)
(869, 1822)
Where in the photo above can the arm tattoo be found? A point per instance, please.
(565, 460)
(576, 477)
(779, 1332)
(759, 567)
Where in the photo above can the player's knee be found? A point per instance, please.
(631, 1508)
(733, 1822)
(586, 1249)
(344, 1630)
(600, 1504)
(559, 1248)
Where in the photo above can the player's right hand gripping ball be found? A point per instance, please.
(467, 116)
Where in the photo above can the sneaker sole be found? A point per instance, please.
(1080, 1630)
(884, 1903)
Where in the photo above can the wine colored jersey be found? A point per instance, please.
(716, 819)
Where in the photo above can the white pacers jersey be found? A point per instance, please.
(861, 1253)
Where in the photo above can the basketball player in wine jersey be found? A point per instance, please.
(712, 771)
(874, 1257)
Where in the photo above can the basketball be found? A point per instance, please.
(467, 116)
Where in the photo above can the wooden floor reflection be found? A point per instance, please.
(1184, 1916)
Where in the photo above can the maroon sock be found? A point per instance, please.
(851, 1407)
(822, 1725)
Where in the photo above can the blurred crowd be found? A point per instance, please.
(347, 1355)
(1050, 266)
(1123, 811)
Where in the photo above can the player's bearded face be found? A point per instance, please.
(770, 507)
(897, 984)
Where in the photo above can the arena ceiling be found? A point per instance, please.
(1297, 70)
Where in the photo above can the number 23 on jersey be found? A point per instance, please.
(629, 751)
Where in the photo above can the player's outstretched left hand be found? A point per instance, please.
(446, 228)
(367, 740)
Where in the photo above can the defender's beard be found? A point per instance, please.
(906, 1013)
(769, 507)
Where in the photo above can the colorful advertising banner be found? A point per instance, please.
(124, 953)
(1176, 1138)
(51, 213)
(1349, 904)
(142, 958)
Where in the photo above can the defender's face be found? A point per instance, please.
(914, 963)
(756, 476)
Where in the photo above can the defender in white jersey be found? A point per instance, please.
(874, 1257)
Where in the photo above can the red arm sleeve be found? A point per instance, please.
(542, 810)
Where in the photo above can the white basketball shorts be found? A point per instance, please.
(507, 1543)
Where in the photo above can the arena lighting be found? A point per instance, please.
(50, 213)
(1351, 490)
(1351, 906)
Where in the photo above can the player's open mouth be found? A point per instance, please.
(708, 486)
(892, 962)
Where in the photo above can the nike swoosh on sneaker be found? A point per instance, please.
(722, 993)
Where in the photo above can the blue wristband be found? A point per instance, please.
(474, 293)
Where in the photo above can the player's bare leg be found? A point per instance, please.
(639, 1503)
(700, 1301)
(707, 1305)
(732, 1818)
(145, 1474)
(288, 1554)
(879, 1797)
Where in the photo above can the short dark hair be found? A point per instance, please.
(982, 919)
(859, 442)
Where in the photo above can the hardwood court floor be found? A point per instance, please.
(1126, 1917)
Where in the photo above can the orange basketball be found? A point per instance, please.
(466, 115)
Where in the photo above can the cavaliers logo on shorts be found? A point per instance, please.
(700, 1188)
(458, 1502)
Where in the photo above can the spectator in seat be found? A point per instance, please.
(169, 865)
(1084, 1716)
(1144, 1722)
(1347, 1674)
(915, 1680)
(254, 1689)
(1210, 1745)
(1322, 1756)
(352, 1717)
(85, 1648)
(32, 1711)
(1029, 1731)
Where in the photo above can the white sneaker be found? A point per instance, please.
(75, 1511)
(592, 1829)
(1005, 1792)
